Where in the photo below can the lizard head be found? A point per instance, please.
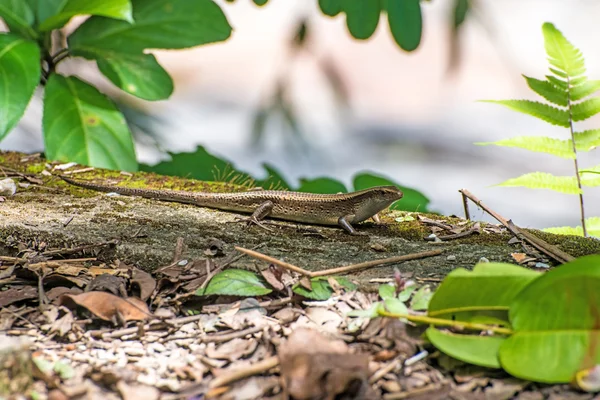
(374, 200)
(386, 195)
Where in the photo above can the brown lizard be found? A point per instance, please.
(343, 209)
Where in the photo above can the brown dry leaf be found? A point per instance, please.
(108, 283)
(137, 391)
(315, 367)
(232, 350)
(145, 282)
(109, 307)
(55, 293)
(17, 293)
(273, 278)
(326, 319)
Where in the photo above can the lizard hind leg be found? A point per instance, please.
(344, 223)
(261, 212)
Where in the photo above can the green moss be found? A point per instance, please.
(576, 246)
(35, 168)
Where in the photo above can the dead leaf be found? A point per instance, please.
(273, 277)
(145, 282)
(315, 367)
(55, 293)
(17, 293)
(132, 391)
(108, 283)
(109, 307)
(232, 350)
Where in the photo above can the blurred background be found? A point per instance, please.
(330, 105)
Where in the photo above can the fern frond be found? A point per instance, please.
(584, 90)
(590, 176)
(585, 109)
(539, 110)
(559, 83)
(558, 73)
(543, 180)
(587, 140)
(540, 144)
(561, 53)
(548, 91)
(578, 81)
(592, 226)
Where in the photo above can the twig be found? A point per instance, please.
(543, 246)
(226, 337)
(466, 206)
(383, 371)
(241, 373)
(13, 259)
(275, 261)
(376, 263)
(78, 249)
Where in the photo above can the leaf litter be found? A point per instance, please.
(80, 328)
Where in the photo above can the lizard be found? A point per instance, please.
(342, 209)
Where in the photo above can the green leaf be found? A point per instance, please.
(235, 282)
(543, 180)
(585, 109)
(559, 83)
(590, 176)
(406, 293)
(395, 306)
(421, 299)
(118, 9)
(321, 185)
(413, 200)
(473, 349)
(406, 23)
(555, 322)
(561, 53)
(387, 291)
(330, 7)
(137, 74)
(584, 90)
(592, 226)
(19, 76)
(578, 81)
(540, 144)
(260, 2)
(542, 111)
(587, 140)
(181, 24)
(461, 8)
(362, 17)
(372, 312)
(321, 290)
(82, 125)
(548, 91)
(487, 290)
(19, 17)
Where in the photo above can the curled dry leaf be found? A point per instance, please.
(315, 367)
(109, 307)
(145, 282)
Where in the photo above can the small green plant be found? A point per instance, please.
(567, 90)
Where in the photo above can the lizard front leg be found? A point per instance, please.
(344, 222)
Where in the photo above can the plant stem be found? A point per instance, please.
(575, 160)
(446, 322)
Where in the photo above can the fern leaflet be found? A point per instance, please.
(587, 140)
(539, 110)
(585, 109)
(548, 91)
(584, 90)
(592, 225)
(540, 144)
(561, 53)
(591, 176)
(543, 180)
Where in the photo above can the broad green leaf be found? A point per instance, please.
(421, 299)
(556, 324)
(540, 144)
(548, 91)
(561, 53)
(274, 179)
(395, 306)
(82, 125)
(487, 290)
(413, 200)
(321, 185)
(592, 226)
(461, 8)
(118, 9)
(406, 23)
(321, 290)
(543, 180)
(137, 74)
(585, 109)
(236, 282)
(587, 140)
(330, 7)
(406, 293)
(19, 17)
(539, 110)
(19, 76)
(387, 291)
(176, 24)
(582, 91)
(473, 349)
(362, 17)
